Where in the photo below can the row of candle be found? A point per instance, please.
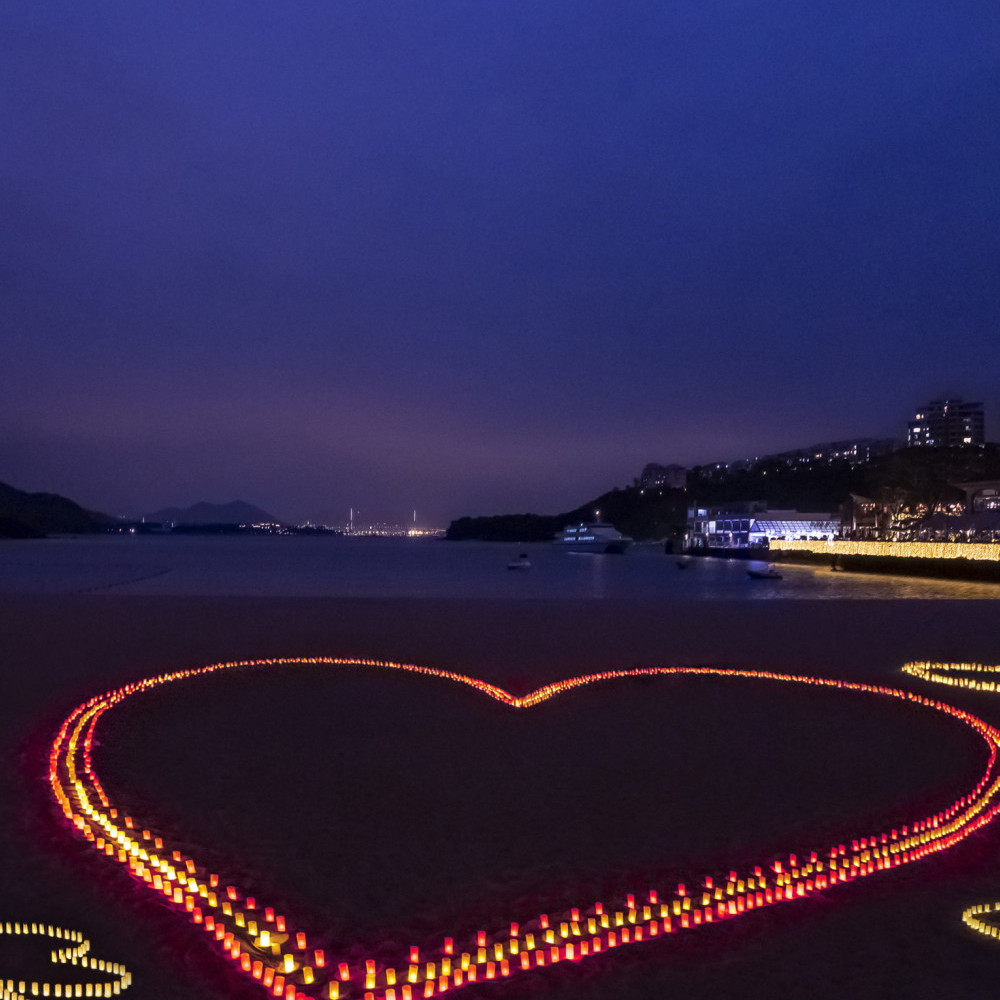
(261, 944)
(972, 917)
(72, 949)
(975, 677)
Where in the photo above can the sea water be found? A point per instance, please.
(296, 566)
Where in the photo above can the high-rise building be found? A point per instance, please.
(947, 423)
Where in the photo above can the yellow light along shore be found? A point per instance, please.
(978, 551)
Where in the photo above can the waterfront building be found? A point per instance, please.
(981, 496)
(947, 423)
(750, 525)
(866, 516)
(986, 496)
(721, 527)
(791, 525)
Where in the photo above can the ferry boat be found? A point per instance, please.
(592, 536)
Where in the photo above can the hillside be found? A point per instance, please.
(636, 514)
(912, 477)
(203, 513)
(34, 515)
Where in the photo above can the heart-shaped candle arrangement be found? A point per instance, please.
(270, 950)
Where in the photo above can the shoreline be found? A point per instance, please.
(957, 568)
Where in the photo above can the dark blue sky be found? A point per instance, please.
(482, 256)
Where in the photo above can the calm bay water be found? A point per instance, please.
(388, 567)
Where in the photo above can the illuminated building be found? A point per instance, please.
(725, 527)
(981, 496)
(947, 423)
(866, 517)
(973, 518)
(752, 526)
(779, 524)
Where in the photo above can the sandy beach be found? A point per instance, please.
(425, 828)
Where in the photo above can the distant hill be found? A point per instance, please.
(637, 514)
(235, 512)
(34, 515)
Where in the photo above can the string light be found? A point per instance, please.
(978, 551)
(274, 953)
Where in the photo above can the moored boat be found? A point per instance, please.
(592, 536)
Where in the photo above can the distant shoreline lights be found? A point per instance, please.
(269, 950)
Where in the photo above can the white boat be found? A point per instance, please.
(592, 536)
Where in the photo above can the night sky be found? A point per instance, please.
(482, 257)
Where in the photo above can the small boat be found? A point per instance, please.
(681, 565)
(521, 562)
(764, 574)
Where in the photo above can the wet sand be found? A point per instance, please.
(888, 936)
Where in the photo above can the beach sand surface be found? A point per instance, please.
(383, 811)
